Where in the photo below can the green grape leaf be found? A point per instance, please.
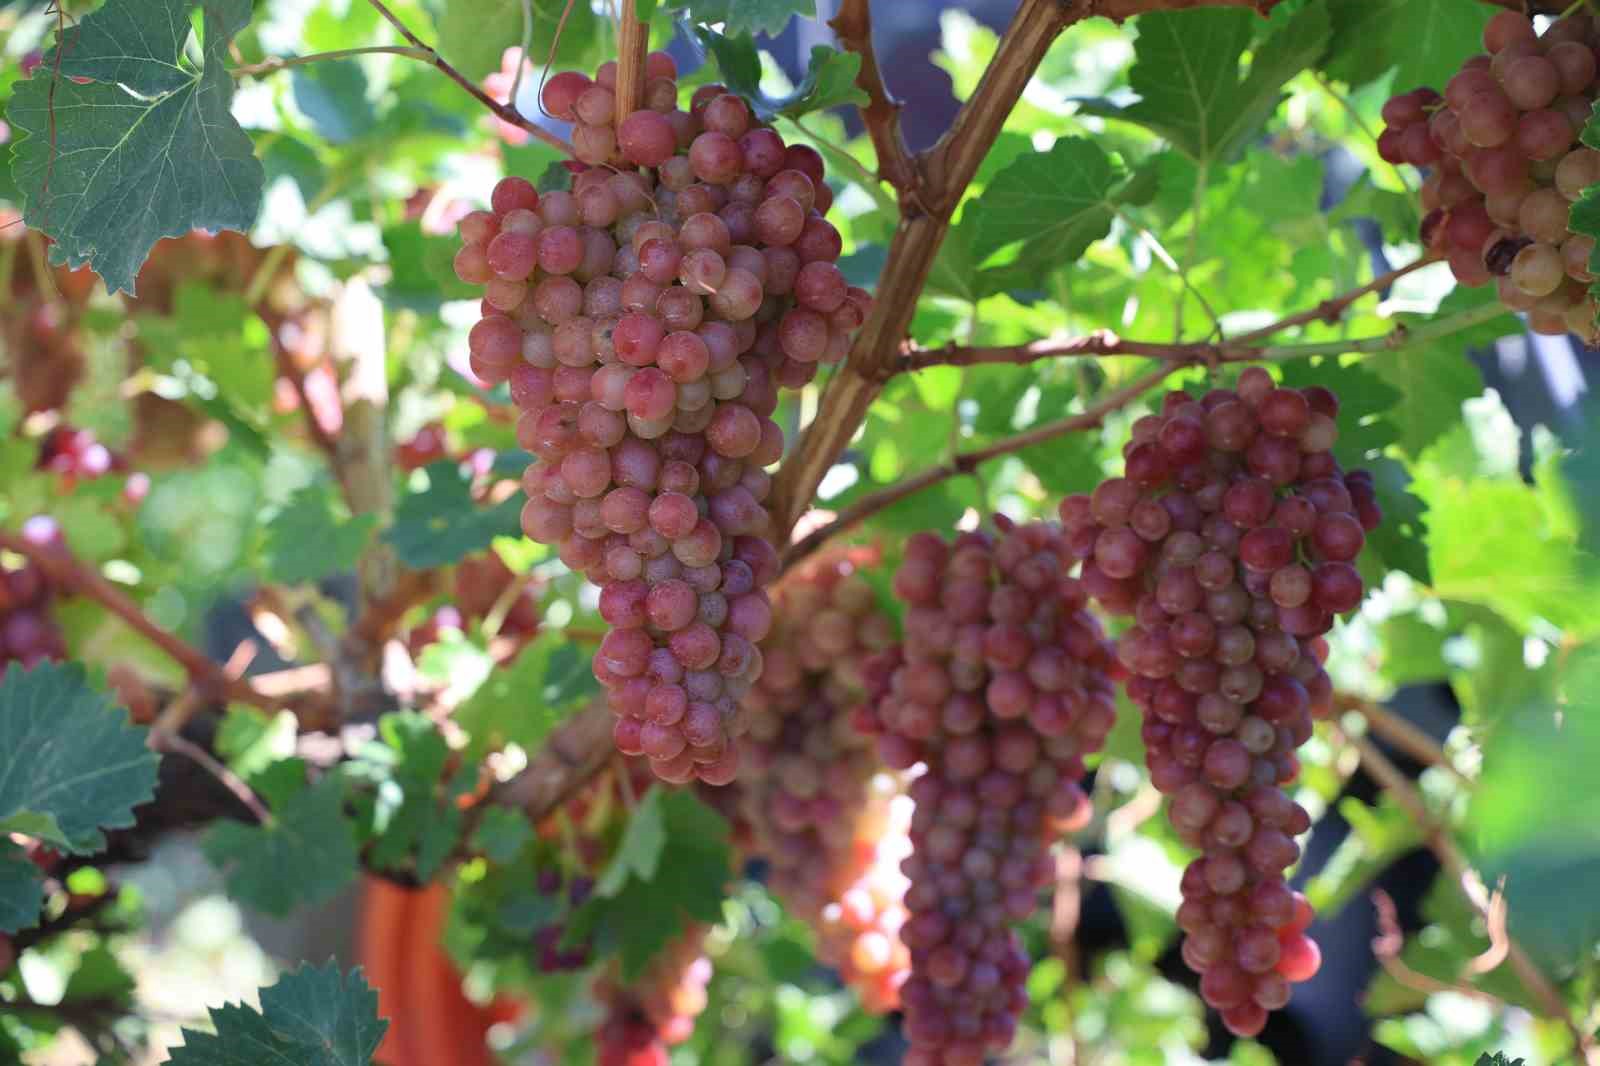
(313, 1016)
(1378, 836)
(1422, 41)
(744, 16)
(1468, 554)
(306, 541)
(1496, 1059)
(304, 856)
(1401, 539)
(65, 794)
(639, 852)
(1584, 217)
(251, 740)
(501, 835)
(422, 267)
(691, 875)
(145, 148)
(1435, 379)
(334, 97)
(474, 34)
(1059, 202)
(1186, 73)
(99, 975)
(21, 889)
(441, 524)
(522, 702)
(413, 810)
(829, 80)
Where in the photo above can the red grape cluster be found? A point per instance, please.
(644, 321)
(1002, 687)
(28, 633)
(814, 799)
(659, 1009)
(1506, 164)
(1231, 539)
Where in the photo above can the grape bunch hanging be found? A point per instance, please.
(644, 320)
(1000, 690)
(29, 633)
(1231, 539)
(814, 801)
(1505, 165)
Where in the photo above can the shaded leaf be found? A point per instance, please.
(303, 857)
(21, 889)
(441, 524)
(1422, 41)
(66, 793)
(306, 541)
(314, 1016)
(145, 149)
(829, 79)
(1061, 200)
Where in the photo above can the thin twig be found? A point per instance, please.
(505, 112)
(881, 116)
(277, 63)
(963, 463)
(1390, 942)
(69, 572)
(1329, 310)
(1438, 840)
(177, 745)
(1103, 344)
(1401, 733)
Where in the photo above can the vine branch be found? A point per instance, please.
(633, 42)
(505, 112)
(881, 116)
(67, 570)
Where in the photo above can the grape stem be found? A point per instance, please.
(67, 571)
(1437, 838)
(505, 112)
(277, 63)
(881, 116)
(1104, 343)
(633, 41)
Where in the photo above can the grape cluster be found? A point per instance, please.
(1002, 686)
(659, 1009)
(644, 321)
(1502, 147)
(1231, 539)
(28, 633)
(814, 800)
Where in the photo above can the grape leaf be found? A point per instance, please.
(440, 525)
(1401, 539)
(829, 80)
(639, 852)
(306, 542)
(522, 702)
(1468, 555)
(1186, 73)
(412, 808)
(1435, 379)
(501, 835)
(64, 794)
(304, 856)
(145, 148)
(1378, 836)
(21, 889)
(421, 267)
(1060, 201)
(334, 97)
(474, 34)
(314, 1016)
(744, 16)
(1497, 1059)
(1423, 41)
(691, 875)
